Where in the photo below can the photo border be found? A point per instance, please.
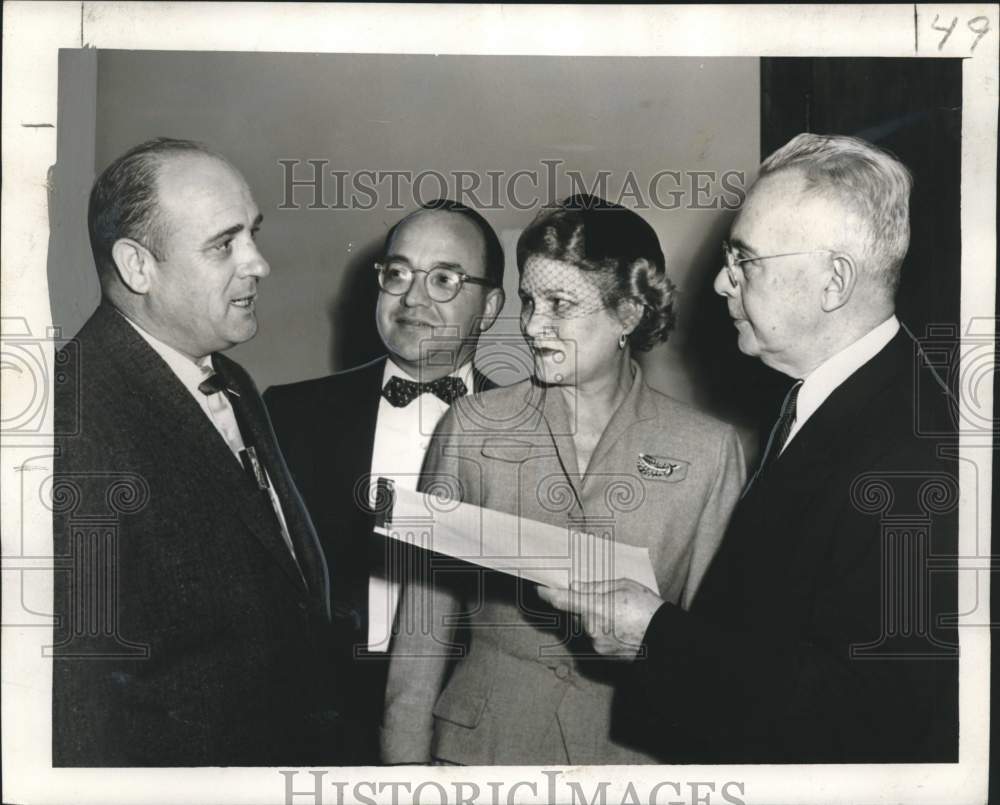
(33, 33)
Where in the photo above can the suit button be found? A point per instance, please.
(562, 671)
(302, 606)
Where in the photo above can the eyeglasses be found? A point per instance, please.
(441, 284)
(734, 264)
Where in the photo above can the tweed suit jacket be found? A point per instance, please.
(186, 634)
(326, 429)
(824, 630)
(525, 690)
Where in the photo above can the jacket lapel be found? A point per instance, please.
(345, 430)
(308, 552)
(561, 424)
(760, 529)
(480, 382)
(349, 427)
(176, 422)
(561, 421)
(636, 407)
(810, 457)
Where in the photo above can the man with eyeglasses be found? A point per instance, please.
(441, 287)
(823, 630)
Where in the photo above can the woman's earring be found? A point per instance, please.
(622, 340)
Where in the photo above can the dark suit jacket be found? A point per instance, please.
(815, 636)
(185, 633)
(326, 429)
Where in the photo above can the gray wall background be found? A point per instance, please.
(411, 113)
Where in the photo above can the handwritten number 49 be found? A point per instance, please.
(980, 26)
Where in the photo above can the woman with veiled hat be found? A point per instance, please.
(584, 444)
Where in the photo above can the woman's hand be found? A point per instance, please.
(614, 614)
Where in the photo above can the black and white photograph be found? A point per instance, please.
(473, 403)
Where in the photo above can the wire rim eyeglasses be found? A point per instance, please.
(734, 264)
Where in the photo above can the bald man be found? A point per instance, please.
(193, 617)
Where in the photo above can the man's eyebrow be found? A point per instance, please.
(742, 246)
(397, 258)
(452, 266)
(236, 229)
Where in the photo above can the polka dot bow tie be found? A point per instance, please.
(400, 392)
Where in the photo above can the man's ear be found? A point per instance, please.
(491, 308)
(135, 264)
(841, 282)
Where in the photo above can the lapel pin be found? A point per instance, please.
(655, 466)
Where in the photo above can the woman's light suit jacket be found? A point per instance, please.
(522, 690)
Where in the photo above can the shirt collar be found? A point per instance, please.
(637, 405)
(190, 372)
(825, 378)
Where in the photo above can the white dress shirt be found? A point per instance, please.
(401, 439)
(821, 382)
(216, 406)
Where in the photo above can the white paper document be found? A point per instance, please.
(549, 555)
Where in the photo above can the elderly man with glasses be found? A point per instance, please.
(441, 287)
(823, 630)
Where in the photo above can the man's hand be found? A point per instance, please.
(614, 614)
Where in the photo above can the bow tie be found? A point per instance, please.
(400, 392)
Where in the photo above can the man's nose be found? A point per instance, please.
(255, 265)
(416, 295)
(722, 285)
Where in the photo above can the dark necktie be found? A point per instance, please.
(213, 384)
(400, 392)
(249, 456)
(779, 433)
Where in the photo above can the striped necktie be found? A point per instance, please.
(778, 436)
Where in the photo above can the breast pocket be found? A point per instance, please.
(512, 451)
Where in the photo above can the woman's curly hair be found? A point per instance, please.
(617, 249)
